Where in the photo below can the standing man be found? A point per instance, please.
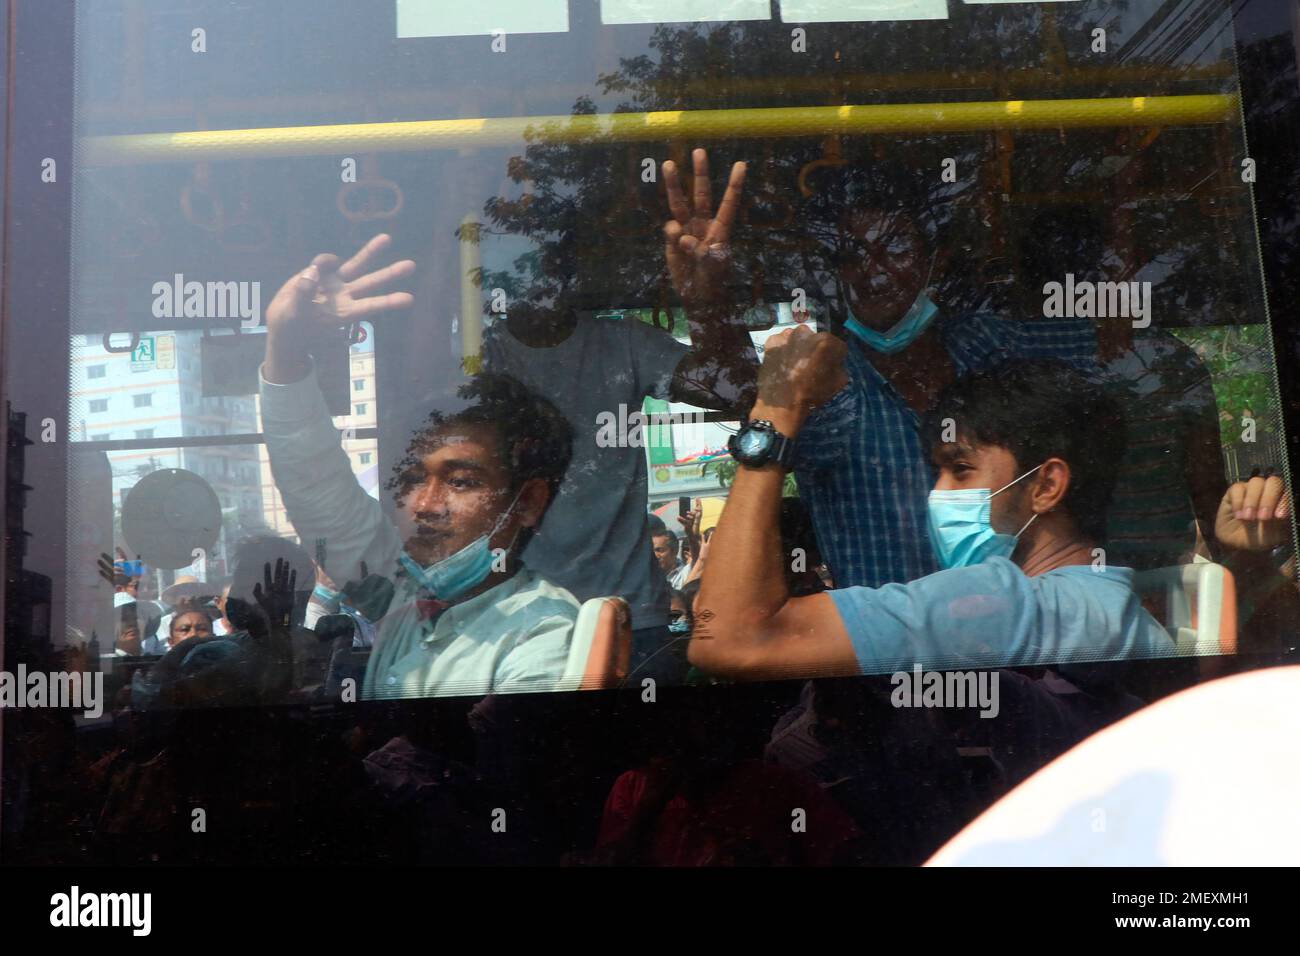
(668, 558)
(860, 462)
(596, 539)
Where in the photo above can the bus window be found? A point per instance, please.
(485, 357)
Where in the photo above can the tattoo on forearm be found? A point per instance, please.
(703, 621)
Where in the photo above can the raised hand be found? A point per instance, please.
(331, 295)
(1253, 515)
(801, 369)
(325, 296)
(371, 595)
(275, 595)
(697, 239)
(690, 523)
(107, 569)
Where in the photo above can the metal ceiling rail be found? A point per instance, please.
(1005, 82)
(694, 125)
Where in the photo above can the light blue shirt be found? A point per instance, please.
(862, 467)
(512, 637)
(994, 615)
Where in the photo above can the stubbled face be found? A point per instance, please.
(665, 550)
(964, 466)
(454, 493)
(883, 266)
(188, 625)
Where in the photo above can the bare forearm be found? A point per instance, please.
(696, 572)
(744, 582)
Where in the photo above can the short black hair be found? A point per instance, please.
(190, 607)
(664, 532)
(868, 182)
(1040, 409)
(535, 439)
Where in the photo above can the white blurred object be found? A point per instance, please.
(1207, 777)
(1200, 606)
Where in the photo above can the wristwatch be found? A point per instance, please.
(759, 443)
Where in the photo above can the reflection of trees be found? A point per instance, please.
(1164, 199)
(594, 224)
(1239, 359)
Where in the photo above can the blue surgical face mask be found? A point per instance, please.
(907, 329)
(451, 577)
(904, 332)
(680, 626)
(960, 530)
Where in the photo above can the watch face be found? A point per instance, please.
(752, 443)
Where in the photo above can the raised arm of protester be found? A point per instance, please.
(720, 370)
(311, 470)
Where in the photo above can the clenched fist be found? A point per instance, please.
(1253, 515)
(801, 369)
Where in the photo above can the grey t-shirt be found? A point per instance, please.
(595, 540)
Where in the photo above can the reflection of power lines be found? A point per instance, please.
(146, 468)
(1168, 34)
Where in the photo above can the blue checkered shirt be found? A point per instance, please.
(860, 463)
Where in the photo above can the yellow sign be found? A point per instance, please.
(166, 353)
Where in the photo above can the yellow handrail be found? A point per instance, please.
(693, 125)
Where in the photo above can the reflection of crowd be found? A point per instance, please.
(960, 478)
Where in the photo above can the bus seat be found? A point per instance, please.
(601, 649)
(1196, 603)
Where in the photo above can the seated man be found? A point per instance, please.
(465, 616)
(1025, 454)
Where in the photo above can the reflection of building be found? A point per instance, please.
(362, 452)
(155, 393)
(27, 595)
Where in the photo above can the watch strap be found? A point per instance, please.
(782, 451)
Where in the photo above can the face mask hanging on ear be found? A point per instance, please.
(907, 329)
(960, 530)
(451, 577)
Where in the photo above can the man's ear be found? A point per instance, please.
(1051, 484)
(534, 496)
